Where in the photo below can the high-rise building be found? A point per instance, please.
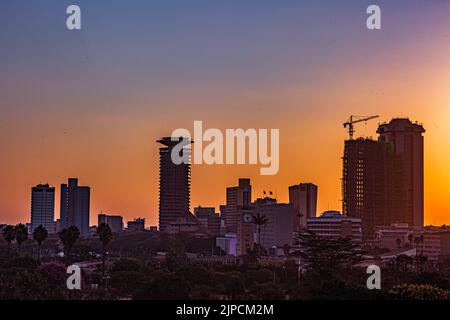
(407, 140)
(43, 207)
(303, 199)
(174, 185)
(238, 196)
(372, 185)
(278, 229)
(332, 224)
(75, 206)
(114, 222)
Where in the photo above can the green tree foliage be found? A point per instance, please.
(105, 234)
(68, 238)
(40, 234)
(418, 292)
(9, 234)
(21, 234)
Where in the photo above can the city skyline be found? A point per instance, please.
(90, 104)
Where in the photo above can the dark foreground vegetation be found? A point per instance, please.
(152, 266)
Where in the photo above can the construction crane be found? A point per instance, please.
(356, 119)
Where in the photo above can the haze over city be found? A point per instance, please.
(92, 104)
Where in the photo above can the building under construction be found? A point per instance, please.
(381, 181)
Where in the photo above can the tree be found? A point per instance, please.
(417, 241)
(329, 264)
(21, 234)
(398, 242)
(105, 234)
(68, 238)
(259, 220)
(40, 234)
(418, 292)
(325, 257)
(9, 234)
(410, 238)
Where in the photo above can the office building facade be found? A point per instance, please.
(43, 207)
(75, 206)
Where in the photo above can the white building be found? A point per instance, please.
(333, 224)
(228, 243)
(43, 207)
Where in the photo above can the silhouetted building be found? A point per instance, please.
(208, 218)
(407, 140)
(115, 223)
(137, 225)
(174, 185)
(303, 198)
(75, 206)
(332, 224)
(43, 207)
(278, 229)
(372, 184)
(238, 196)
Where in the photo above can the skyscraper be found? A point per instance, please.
(407, 140)
(75, 206)
(303, 199)
(372, 185)
(174, 185)
(43, 207)
(238, 196)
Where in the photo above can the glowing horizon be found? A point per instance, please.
(91, 104)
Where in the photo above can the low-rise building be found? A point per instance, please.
(228, 244)
(115, 222)
(137, 225)
(333, 224)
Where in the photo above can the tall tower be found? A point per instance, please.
(174, 184)
(303, 199)
(407, 140)
(372, 185)
(75, 206)
(238, 196)
(43, 207)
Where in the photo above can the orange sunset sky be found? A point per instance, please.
(92, 104)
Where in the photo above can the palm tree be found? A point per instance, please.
(9, 234)
(417, 241)
(410, 238)
(105, 234)
(398, 242)
(39, 235)
(421, 240)
(68, 238)
(21, 234)
(259, 220)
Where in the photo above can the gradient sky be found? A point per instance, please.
(91, 103)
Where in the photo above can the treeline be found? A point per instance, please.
(331, 270)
